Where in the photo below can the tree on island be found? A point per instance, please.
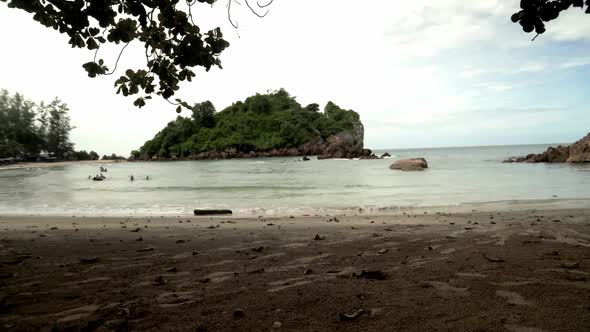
(174, 44)
(259, 123)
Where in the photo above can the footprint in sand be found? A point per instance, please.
(512, 298)
(470, 275)
(445, 290)
(518, 328)
(174, 299)
(76, 313)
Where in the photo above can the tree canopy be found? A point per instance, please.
(174, 44)
(260, 123)
(535, 13)
(27, 129)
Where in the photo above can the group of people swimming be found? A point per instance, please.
(100, 177)
(132, 178)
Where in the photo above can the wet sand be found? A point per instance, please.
(478, 271)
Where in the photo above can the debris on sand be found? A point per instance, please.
(90, 260)
(261, 270)
(371, 274)
(160, 281)
(238, 313)
(319, 238)
(570, 265)
(348, 317)
(493, 259)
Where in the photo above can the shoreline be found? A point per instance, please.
(24, 165)
(495, 271)
(307, 212)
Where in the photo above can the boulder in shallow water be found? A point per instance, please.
(413, 164)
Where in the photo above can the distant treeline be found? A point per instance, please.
(37, 131)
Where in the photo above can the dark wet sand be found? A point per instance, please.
(507, 271)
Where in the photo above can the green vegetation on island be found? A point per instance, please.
(262, 123)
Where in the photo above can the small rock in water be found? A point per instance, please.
(382, 251)
(136, 230)
(319, 238)
(307, 271)
(171, 269)
(139, 239)
(180, 241)
(53, 228)
(145, 249)
(276, 325)
(259, 249)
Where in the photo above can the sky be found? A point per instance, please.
(420, 73)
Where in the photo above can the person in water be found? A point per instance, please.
(89, 177)
(147, 177)
(131, 178)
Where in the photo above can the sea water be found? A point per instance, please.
(456, 177)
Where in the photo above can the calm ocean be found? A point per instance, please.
(457, 177)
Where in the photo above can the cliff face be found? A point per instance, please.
(272, 125)
(579, 152)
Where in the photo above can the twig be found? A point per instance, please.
(118, 58)
(264, 6)
(253, 11)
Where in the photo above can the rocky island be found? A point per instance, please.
(578, 152)
(267, 125)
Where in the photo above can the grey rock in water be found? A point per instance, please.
(413, 164)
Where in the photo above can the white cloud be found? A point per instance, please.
(572, 25)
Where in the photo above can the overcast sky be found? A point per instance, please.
(420, 73)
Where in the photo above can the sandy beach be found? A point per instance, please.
(478, 271)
